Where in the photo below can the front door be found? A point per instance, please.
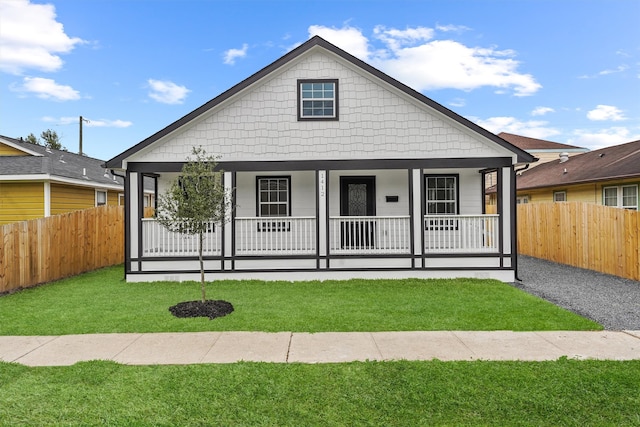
(358, 199)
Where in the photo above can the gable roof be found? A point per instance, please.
(533, 144)
(316, 41)
(616, 162)
(59, 164)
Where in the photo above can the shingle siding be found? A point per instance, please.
(375, 121)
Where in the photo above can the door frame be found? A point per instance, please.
(370, 181)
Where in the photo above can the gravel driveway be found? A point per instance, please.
(612, 301)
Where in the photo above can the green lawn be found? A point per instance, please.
(562, 393)
(102, 302)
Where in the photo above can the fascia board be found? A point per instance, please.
(61, 180)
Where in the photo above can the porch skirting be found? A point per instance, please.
(505, 275)
(312, 268)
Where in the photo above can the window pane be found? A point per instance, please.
(611, 196)
(101, 198)
(630, 196)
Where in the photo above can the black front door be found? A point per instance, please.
(357, 198)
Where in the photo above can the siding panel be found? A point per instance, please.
(21, 201)
(66, 198)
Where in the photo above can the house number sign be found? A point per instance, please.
(321, 182)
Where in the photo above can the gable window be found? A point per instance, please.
(521, 200)
(101, 198)
(318, 99)
(621, 196)
(559, 196)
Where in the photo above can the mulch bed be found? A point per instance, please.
(209, 308)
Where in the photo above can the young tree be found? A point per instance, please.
(195, 200)
(51, 139)
(32, 139)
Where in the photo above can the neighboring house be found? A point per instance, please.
(338, 171)
(37, 182)
(545, 151)
(609, 176)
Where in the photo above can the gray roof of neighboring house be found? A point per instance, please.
(616, 162)
(55, 163)
(116, 162)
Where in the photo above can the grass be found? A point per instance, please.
(102, 302)
(566, 392)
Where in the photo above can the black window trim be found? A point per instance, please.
(442, 224)
(273, 223)
(336, 103)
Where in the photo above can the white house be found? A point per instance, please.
(338, 171)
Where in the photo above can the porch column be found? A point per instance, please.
(416, 216)
(507, 213)
(322, 230)
(229, 228)
(133, 216)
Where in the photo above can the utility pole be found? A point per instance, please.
(81, 120)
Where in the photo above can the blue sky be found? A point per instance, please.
(563, 70)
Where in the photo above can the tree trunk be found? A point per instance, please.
(202, 287)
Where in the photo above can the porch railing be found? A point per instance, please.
(157, 241)
(276, 236)
(461, 233)
(369, 235)
(348, 235)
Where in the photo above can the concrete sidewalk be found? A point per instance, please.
(325, 347)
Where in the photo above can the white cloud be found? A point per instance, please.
(31, 37)
(88, 122)
(231, 55)
(47, 89)
(618, 69)
(167, 92)
(347, 38)
(603, 137)
(395, 39)
(104, 123)
(541, 111)
(458, 102)
(450, 27)
(414, 57)
(606, 112)
(532, 128)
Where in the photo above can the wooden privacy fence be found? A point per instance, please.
(584, 235)
(46, 249)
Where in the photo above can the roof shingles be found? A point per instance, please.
(56, 163)
(616, 162)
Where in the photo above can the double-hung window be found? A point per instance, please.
(621, 196)
(274, 200)
(441, 199)
(318, 99)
